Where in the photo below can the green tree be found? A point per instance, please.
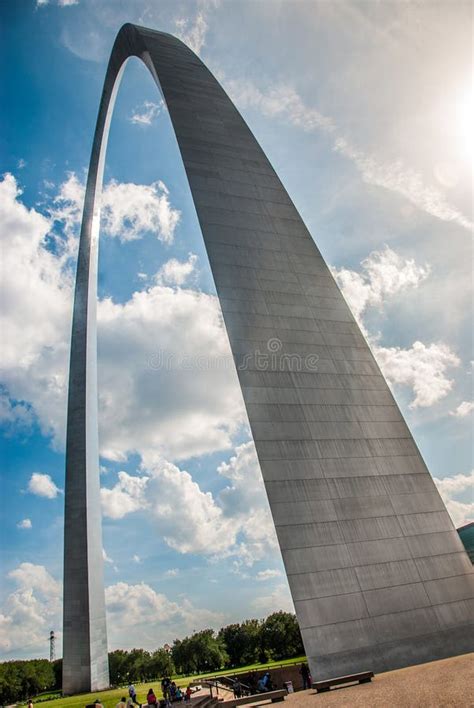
(183, 657)
(242, 642)
(161, 664)
(203, 651)
(281, 636)
(138, 662)
(118, 667)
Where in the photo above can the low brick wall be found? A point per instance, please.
(278, 677)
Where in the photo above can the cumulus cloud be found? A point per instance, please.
(423, 368)
(24, 524)
(17, 413)
(128, 210)
(456, 484)
(146, 113)
(36, 293)
(43, 486)
(236, 522)
(450, 487)
(30, 611)
(35, 605)
(383, 274)
(159, 618)
(179, 392)
(127, 496)
(268, 574)
(203, 529)
(175, 272)
(281, 100)
(463, 410)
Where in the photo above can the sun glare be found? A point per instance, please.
(464, 123)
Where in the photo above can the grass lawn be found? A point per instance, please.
(110, 698)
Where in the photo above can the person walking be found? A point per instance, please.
(133, 695)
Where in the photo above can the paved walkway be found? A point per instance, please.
(440, 684)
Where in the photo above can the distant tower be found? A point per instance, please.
(52, 640)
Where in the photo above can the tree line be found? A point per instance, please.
(239, 644)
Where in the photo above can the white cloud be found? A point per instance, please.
(279, 101)
(203, 529)
(235, 523)
(34, 607)
(172, 573)
(30, 611)
(43, 486)
(279, 599)
(179, 392)
(421, 367)
(24, 524)
(462, 513)
(68, 204)
(126, 497)
(36, 294)
(403, 180)
(159, 619)
(193, 33)
(463, 410)
(455, 484)
(136, 559)
(268, 574)
(383, 274)
(175, 272)
(284, 102)
(450, 487)
(107, 558)
(128, 210)
(146, 114)
(18, 413)
(60, 3)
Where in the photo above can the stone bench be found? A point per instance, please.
(273, 696)
(364, 677)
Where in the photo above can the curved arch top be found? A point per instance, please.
(377, 572)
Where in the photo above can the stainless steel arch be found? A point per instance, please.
(378, 574)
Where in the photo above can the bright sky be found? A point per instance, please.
(365, 111)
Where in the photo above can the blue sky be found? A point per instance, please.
(365, 110)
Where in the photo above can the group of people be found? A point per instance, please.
(171, 694)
